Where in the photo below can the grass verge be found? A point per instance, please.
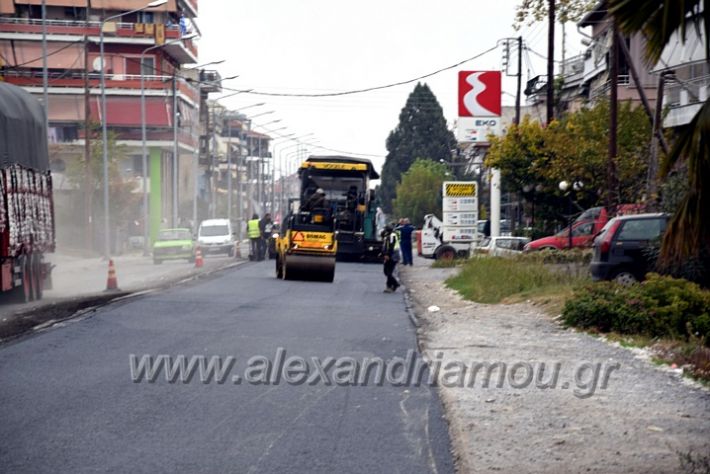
(496, 280)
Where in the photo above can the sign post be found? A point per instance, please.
(460, 211)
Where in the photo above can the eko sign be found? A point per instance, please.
(479, 105)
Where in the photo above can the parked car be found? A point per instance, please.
(584, 228)
(504, 227)
(173, 244)
(502, 246)
(621, 248)
(216, 236)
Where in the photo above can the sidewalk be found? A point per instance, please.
(644, 418)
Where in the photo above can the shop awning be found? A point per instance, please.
(54, 3)
(125, 5)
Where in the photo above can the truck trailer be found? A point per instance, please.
(27, 229)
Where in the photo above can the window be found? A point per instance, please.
(503, 243)
(641, 229)
(148, 68)
(584, 229)
(145, 17)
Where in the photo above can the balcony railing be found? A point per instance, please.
(82, 28)
(690, 91)
(603, 89)
(113, 81)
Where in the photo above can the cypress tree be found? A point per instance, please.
(421, 134)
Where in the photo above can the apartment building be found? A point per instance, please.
(238, 164)
(141, 45)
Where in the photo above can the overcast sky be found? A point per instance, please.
(316, 46)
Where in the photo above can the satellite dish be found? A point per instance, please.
(97, 64)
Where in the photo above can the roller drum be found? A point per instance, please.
(306, 267)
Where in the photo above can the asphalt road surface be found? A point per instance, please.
(68, 402)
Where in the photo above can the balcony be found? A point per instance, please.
(116, 84)
(114, 32)
(685, 99)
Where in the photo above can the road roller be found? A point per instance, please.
(306, 247)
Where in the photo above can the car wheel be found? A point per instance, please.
(625, 277)
(445, 253)
(230, 252)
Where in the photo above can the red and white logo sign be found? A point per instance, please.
(479, 93)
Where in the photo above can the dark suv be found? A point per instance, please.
(620, 248)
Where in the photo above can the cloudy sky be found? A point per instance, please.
(327, 46)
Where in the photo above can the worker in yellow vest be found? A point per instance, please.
(254, 233)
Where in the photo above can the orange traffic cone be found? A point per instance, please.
(198, 258)
(111, 281)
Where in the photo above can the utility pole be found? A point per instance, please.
(229, 168)
(45, 79)
(240, 194)
(520, 80)
(88, 178)
(622, 48)
(652, 178)
(175, 154)
(551, 61)
(611, 199)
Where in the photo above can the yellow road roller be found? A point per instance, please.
(306, 246)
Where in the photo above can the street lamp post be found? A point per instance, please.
(565, 188)
(104, 121)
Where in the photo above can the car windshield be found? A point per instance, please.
(174, 234)
(213, 230)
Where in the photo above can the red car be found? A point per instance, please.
(584, 228)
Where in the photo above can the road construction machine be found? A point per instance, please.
(346, 184)
(306, 246)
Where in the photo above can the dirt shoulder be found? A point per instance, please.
(644, 417)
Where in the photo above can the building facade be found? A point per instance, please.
(145, 53)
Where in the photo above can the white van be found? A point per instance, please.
(216, 236)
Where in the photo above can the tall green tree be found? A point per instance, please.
(536, 10)
(421, 133)
(685, 249)
(419, 192)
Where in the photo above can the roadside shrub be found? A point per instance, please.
(661, 306)
(552, 256)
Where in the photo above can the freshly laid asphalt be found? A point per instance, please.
(68, 404)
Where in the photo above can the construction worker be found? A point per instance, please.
(316, 201)
(405, 234)
(390, 253)
(254, 234)
(265, 225)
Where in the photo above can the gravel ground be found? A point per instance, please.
(644, 417)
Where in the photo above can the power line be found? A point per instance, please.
(368, 89)
(540, 55)
(279, 135)
(15, 66)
